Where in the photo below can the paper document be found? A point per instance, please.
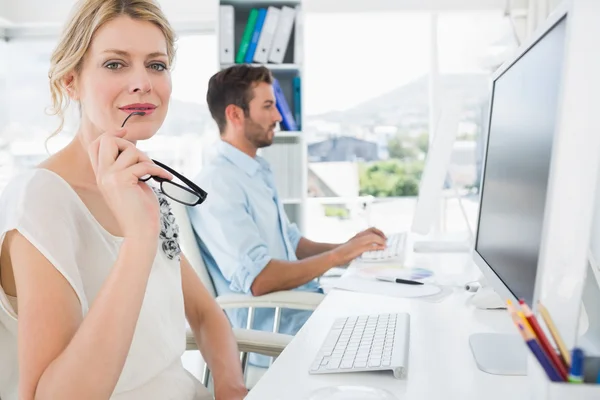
(355, 283)
(372, 271)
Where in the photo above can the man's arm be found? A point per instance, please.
(307, 248)
(285, 275)
(232, 237)
(213, 335)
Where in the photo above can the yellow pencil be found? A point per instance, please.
(564, 352)
(521, 315)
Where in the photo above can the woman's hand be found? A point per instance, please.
(118, 166)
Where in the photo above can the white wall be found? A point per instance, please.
(408, 5)
(55, 11)
(3, 11)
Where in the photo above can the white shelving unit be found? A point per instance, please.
(288, 153)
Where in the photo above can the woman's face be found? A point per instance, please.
(125, 70)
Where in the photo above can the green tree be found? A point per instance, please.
(390, 178)
(422, 142)
(401, 148)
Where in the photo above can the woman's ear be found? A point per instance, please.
(69, 82)
(234, 115)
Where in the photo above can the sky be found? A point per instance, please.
(352, 57)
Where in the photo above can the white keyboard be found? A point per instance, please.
(395, 250)
(365, 343)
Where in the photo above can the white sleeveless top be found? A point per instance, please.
(48, 212)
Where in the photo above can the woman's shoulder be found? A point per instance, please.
(34, 184)
(34, 193)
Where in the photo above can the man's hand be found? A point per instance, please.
(354, 247)
(231, 393)
(368, 232)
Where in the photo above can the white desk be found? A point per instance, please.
(440, 363)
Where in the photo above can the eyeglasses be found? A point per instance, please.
(190, 195)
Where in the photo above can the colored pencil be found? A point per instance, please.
(529, 337)
(564, 351)
(544, 342)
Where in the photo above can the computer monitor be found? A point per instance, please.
(523, 114)
(525, 98)
(433, 179)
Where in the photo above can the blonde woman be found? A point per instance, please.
(93, 289)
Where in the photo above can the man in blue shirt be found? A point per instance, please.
(246, 239)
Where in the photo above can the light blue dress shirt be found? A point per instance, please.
(240, 227)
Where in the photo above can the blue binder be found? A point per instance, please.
(260, 20)
(297, 102)
(287, 119)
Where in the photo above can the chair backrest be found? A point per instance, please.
(189, 245)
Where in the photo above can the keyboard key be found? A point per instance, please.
(346, 364)
(327, 352)
(334, 363)
(375, 362)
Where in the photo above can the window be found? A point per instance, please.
(367, 111)
(5, 162)
(25, 97)
(472, 45)
(189, 129)
(365, 87)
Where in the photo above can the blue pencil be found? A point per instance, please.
(544, 361)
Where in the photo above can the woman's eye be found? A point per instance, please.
(114, 65)
(158, 67)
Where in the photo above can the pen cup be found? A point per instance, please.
(543, 389)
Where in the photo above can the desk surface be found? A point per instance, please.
(441, 365)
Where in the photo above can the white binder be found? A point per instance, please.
(226, 41)
(266, 35)
(282, 34)
(299, 37)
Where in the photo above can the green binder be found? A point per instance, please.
(247, 37)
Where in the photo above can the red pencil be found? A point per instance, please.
(548, 349)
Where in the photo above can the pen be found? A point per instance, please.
(564, 352)
(541, 336)
(576, 372)
(398, 280)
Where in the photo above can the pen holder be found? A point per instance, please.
(544, 389)
(574, 391)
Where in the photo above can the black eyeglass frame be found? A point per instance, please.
(193, 188)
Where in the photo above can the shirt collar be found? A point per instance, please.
(238, 158)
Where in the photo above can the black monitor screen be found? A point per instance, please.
(522, 123)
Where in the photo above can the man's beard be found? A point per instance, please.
(257, 135)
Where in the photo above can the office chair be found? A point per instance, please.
(270, 344)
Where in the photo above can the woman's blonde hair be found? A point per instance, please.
(88, 16)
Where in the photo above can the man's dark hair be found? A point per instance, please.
(234, 85)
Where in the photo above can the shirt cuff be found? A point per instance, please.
(252, 264)
(294, 235)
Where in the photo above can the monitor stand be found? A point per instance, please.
(487, 299)
(448, 243)
(441, 246)
(499, 354)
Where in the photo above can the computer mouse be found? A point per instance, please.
(351, 393)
